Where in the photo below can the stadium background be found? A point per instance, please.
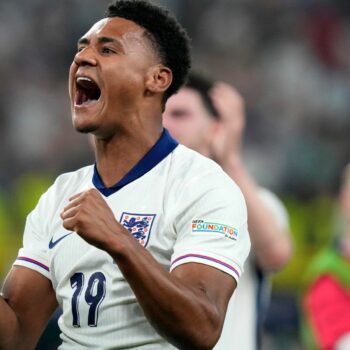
(290, 60)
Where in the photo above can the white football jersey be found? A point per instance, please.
(178, 204)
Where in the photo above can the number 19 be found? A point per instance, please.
(94, 300)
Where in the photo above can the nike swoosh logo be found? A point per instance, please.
(52, 243)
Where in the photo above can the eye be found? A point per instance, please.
(80, 48)
(179, 114)
(107, 50)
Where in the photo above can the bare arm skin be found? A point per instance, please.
(271, 243)
(187, 307)
(26, 305)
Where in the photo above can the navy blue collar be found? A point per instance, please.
(165, 145)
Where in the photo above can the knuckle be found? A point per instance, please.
(91, 191)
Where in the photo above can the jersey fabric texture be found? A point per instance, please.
(240, 327)
(178, 204)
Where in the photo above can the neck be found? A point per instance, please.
(115, 157)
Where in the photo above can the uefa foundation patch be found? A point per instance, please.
(139, 225)
(208, 226)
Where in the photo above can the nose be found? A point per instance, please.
(85, 57)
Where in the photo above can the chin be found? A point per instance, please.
(85, 129)
(83, 124)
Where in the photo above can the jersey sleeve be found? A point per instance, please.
(211, 225)
(34, 253)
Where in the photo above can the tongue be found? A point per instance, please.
(83, 98)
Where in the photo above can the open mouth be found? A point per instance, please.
(87, 91)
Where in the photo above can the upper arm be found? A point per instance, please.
(31, 296)
(212, 243)
(215, 286)
(211, 228)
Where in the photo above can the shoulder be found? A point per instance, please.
(196, 176)
(73, 177)
(184, 156)
(68, 183)
(191, 166)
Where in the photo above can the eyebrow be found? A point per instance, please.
(101, 40)
(83, 41)
(179, 111)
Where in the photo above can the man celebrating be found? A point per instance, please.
(144, 249)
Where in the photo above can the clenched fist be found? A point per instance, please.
(90, 217)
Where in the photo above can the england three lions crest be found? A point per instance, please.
(139, 225)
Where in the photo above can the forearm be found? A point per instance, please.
(26, 304)
(9, 327)
(271, 242)
(180, 314)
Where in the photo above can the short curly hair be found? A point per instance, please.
(202, 84)
(169, 38)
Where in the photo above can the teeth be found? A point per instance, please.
(83, 79)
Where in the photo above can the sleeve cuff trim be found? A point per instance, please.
(35, 262)
(199, 256)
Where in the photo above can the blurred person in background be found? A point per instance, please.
(210, 118)
(325, 301)
(144, 248)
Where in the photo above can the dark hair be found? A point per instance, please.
(167, 36)
(203, 85)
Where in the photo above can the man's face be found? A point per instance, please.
(107, 76)
(188, 121)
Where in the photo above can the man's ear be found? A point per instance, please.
(159, 78)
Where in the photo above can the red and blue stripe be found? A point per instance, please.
(35, 262)
(209, 258)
